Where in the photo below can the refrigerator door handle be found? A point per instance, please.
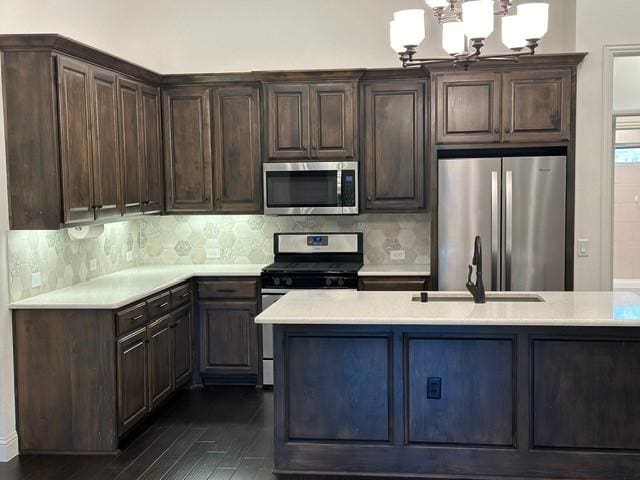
(508, 248)
(495, 229)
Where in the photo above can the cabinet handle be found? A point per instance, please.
(225, 290)
(185, 295)
(162, 305)
(138, 317)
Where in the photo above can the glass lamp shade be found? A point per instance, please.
(437, 3)
(535, 19)
(453, 37)
(395, 37)
(512, 32)
(477, 18)
(409, 27)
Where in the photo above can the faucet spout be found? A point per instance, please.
(476, 289)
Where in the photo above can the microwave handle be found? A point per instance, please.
(339, 187)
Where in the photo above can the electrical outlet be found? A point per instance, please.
(129, 256)
(583, 247)
(36, 280)
(93, 265)
(213, 252)
(434, 388)
(397, 254)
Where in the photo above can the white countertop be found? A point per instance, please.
(126, 286)
(345, 307)
(395, 271)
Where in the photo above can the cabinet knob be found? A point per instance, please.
(496, 130)
(507, 130)
(369, 197)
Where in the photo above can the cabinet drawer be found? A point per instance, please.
(181, 295)
(131, 318)
(226, 289)
(159, 305)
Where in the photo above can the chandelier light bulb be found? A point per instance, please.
(437, 3)
(535, 19)
(477, 18)
(512, 32)
(453, 40)
(409, 29)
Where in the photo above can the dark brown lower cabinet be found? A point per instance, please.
(228, 338)
(182, 346)
(133, 394)
(160, 360)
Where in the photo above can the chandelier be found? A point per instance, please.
(465, 28)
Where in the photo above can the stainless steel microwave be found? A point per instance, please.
(310, 188)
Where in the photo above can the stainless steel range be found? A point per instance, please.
(307, 261)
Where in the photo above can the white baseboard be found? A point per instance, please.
(626, 284)
(8, 447)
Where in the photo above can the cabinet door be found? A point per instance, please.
(537, 106)
(236, 149)
(228, 338)
(468, 108)
(394, 156)
(106, 155)
(75, 140)
(288, 125)
(133, 400)
(152, 181)
(187, 144)
(160, 360)
(130, 145)
(182, 346)
(332, 120)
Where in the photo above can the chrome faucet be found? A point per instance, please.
(477, 289)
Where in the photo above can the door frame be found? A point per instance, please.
(609, 54)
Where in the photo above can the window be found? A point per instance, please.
(628, 155)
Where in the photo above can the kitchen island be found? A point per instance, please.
(531, 386)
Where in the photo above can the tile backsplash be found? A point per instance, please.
(170, 240)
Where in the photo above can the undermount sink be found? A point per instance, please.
(490, 298)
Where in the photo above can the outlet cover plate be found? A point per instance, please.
(583, 247)
(397, 254)
(129, 256)
(93, 265)
(36, 280)
(213, 253)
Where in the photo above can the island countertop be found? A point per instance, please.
(347, 307)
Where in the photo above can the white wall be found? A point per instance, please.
(626, 84)
(172, 36)
(597, 27)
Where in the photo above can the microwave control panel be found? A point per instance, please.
(348, 188)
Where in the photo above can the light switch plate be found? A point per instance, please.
(213, 252)
(397, 254)
(583, 247)
(36, 280)
(129, 256)
(93, 265)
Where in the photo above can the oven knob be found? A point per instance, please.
(276, 281)
(341, 282)
(328, 282)
(288, 281)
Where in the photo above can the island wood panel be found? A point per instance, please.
(537, 106)
(65, 380)
(31, 138)
(237, 149)
(468, 107)
(160, 338)
(288, 120)
(477, 391)
(106, 154)
(339, 388)
(74, 93)
(332, 120)
(130, 145)
(586, 394)
(187, 146)
(152, 178)
(394, 146)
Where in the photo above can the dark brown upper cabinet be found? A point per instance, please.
(106, 156)
(311, 121)
(236, 149)
(74, 92)
(187, 147)
(394, 146)
(152, 181)
(524, 106)
(468, 108)
(130, 142)
(537, 106)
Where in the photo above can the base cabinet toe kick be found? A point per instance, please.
(458, 402)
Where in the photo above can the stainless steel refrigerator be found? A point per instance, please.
(518, 207)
